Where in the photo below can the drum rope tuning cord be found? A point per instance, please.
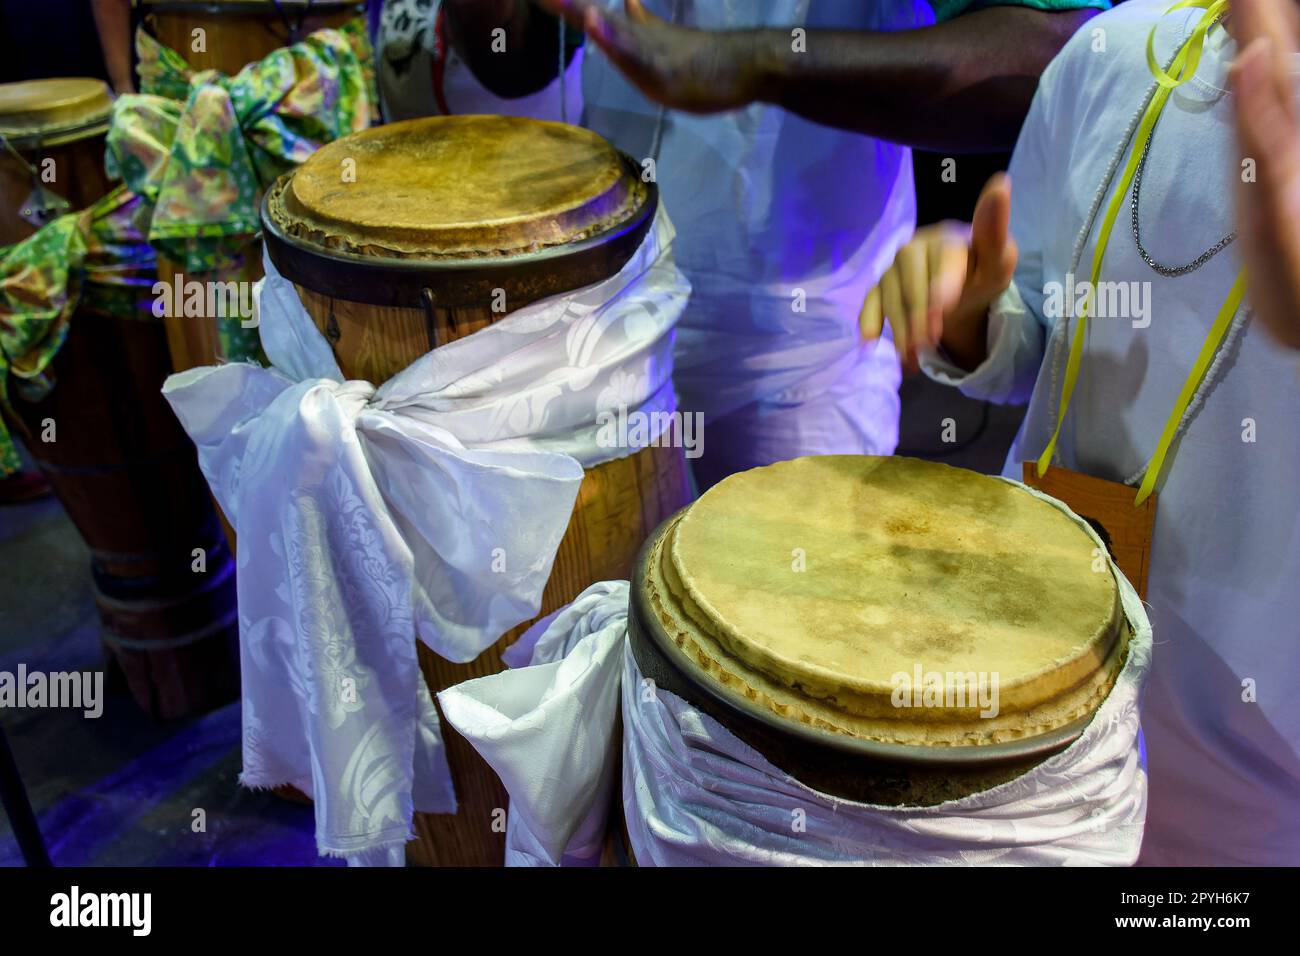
(410, 236)
(119, 461)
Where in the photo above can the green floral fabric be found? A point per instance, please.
(201, 147)
(96, 260)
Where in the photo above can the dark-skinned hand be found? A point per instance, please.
(700, 71)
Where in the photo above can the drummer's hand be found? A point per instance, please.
(940, 286)
(1268, 208)
(700, 71)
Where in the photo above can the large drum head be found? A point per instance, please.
(48, 112)
(460, 187)
(853, 618)
(459, 206)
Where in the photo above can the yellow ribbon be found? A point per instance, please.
(1182, 69)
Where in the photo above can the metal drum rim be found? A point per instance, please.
(408, 276)
(59, 135)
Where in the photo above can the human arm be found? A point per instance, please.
(963, 84)
(113, 23)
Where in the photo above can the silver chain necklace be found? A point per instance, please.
(1165, 270)
(1058, 344)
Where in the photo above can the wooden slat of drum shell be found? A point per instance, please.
(128, 477)
(367, 354)
(235, 38)
(619, 504)
(126, 473)
(79, 177)
(194, 340)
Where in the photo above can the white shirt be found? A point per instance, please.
(772, 210)
(1221, 716)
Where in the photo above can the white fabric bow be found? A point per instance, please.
(431, 507)
(694, 794)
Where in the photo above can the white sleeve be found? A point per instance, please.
(1018, 330)
(1015, 353)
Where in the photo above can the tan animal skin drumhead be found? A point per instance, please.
(812, 584)
(54, 110)
(459, 187)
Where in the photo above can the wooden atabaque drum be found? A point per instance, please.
(235, 34)
(63, 121)
(445, 215)
(120, 463)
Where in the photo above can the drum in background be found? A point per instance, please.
(51, 151)
(557, 209)
(237, 32)
(787, 601)
(234, 34)
(120, 463)
(128, 477)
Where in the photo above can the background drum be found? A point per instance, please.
(234, 34)
(120, 464)
(237, 32)
(381, 311)
(63, 121)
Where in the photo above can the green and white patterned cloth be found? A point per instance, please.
(96, 260)
(195, 150)
(201, 147)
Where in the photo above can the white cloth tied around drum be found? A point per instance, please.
(694, 794)
(431, 506)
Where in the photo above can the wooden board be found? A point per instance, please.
(1128, 529)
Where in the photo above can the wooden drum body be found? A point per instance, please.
(383, 308)
(119, 461)
(53, 133)
(238, 32)
(235, 33)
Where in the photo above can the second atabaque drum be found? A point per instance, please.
(51, 151)
(104, 437)
(227, 35)
(409, 236)
(234, 33)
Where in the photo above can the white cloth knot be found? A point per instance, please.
(431, 507)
